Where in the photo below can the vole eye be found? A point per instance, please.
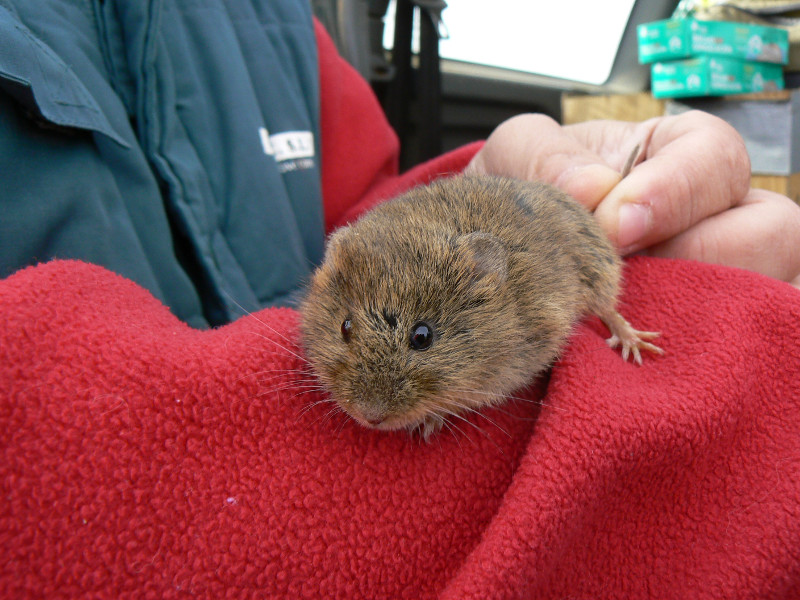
(421, 336)
(347, 329)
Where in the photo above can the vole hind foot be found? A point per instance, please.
(631, 340)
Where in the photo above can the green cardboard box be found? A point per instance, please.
(713, 76)
(681, 38)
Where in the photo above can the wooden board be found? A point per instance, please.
(576, 108)
(788, 186)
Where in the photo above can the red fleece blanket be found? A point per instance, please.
(141, 458)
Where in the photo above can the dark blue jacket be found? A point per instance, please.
(175, 142)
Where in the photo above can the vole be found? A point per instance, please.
(450, 297)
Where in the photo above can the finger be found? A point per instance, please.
(762, 233)
(535, 147)
(613, 140)
(695, 166)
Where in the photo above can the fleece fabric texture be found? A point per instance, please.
(141, 458)
(145, 459)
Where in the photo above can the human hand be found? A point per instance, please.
(688, 195)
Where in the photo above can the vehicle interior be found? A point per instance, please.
(492, 64)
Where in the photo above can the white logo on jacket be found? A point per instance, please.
(291, 149)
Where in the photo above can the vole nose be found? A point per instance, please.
(374, 421)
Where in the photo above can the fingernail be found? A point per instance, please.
(635, 221)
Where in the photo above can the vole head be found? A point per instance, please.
(408, 328)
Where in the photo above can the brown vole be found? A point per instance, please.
(452, 296)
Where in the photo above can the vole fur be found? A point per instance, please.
(498, 270)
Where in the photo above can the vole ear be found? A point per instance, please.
(334, 239)
(486, 255)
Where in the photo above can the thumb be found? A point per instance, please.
(696, 167)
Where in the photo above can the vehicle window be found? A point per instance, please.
(569, 39)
